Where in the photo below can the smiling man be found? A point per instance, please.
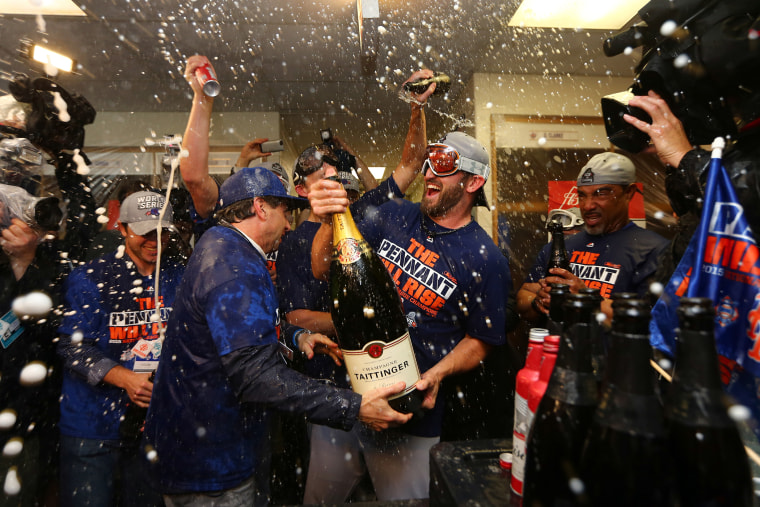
(222, 373)
(454, 284)
(110, 345)
(611, 254)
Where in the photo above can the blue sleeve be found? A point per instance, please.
(85, 315)
(242, 312)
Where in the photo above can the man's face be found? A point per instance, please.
(442, 193)
(604, 207)
(320, 162)
(143, 250)
(277, 224)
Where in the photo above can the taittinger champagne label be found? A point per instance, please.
(381, 364)
(347, 249)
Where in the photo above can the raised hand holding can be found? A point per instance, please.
(207, 78)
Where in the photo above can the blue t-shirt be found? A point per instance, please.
(205, 438)
(113, 306)
(452, 282)
(622, 261)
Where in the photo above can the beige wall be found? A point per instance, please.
(131, 129)
(484, 95)
(526, 94)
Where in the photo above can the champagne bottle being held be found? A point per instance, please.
(625, 460)
(557, 255)
(441, 80)
(369, 319)
(710, 461)
(564, 415)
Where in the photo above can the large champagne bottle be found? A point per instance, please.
(710, 461)
(564, 415)
(557, 255)
(522, 420)
(441, 80)
(625, 460)
(369, 319)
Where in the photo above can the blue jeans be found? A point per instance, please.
(104, 473)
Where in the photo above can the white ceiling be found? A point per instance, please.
(301, 58)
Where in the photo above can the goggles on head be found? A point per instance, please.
(314, 158)
(566, 217)
(443, 160)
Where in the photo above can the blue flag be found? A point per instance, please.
(722, 262)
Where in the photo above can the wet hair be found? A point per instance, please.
(129, 187)
(240, 210)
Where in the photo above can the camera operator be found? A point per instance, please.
(716, 93)
(33, 259)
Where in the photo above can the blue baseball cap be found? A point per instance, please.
(256, 182)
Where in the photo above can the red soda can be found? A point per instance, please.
(207, 78)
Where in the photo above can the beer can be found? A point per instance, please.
(207, 78)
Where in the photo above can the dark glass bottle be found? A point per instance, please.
(557, 255)
(131, 427)
(556, 319)
(625, 460)
(369, 319)
(597, 334)
(710, 461)
(441, 80)
(563, 417)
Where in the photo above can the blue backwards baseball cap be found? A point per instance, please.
(256, 182)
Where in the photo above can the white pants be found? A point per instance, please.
(399, 464)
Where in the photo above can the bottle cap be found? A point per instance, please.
(537, 334)
(551, 343)
(505, 460)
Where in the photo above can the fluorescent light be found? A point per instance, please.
(48, 57)
(44, 7)
(586, 14)
(377, 172)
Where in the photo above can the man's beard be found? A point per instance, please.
(447, 199)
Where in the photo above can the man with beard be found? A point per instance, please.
(454, 284)
(611, 254)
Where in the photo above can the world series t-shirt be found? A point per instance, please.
(114, 307)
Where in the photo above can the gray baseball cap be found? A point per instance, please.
(607, 169)
(141, 211)
(280, 171)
